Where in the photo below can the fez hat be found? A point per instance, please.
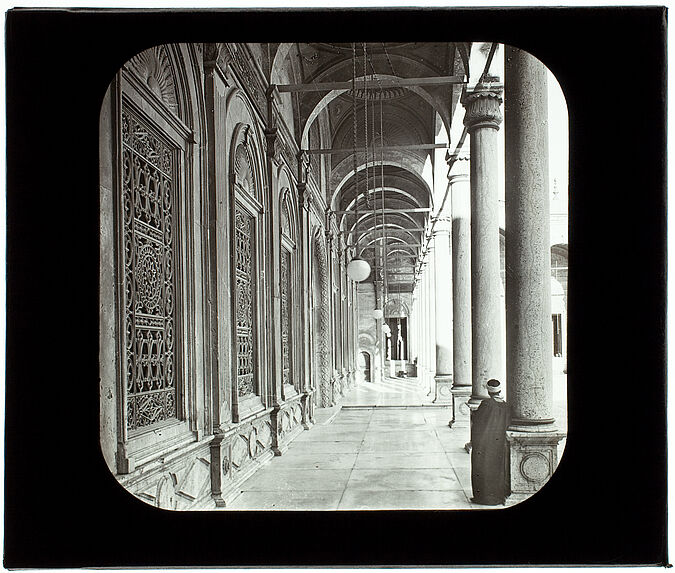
(494, 386)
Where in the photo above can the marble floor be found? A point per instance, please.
(387, 447)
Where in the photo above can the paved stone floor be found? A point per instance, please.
(385, 448)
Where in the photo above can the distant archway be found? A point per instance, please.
(365, 365)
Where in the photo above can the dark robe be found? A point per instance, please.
(488, 452)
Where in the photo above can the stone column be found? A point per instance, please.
(431, 328)
(443, 314)
(460, 196)
(421, 329)
(411, 325)
(482, 119)
(380, 345)
(532, 436)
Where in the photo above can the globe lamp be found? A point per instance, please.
(378, 314)
(358, 270)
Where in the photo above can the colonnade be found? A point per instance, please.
(458, 296)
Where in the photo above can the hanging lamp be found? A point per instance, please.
(358, 269)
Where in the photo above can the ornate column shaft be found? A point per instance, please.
(529, 333)
(460, 196)
(482, 118)
(305, 196)
(443, 313)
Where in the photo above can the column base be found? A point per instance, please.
(533, 458)
(443, 384)
(461, 413)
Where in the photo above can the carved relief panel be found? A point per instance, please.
(245, 289)
(247, 277)
(148, 215)
(286, 325)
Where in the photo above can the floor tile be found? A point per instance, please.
(321, 461)
(333, 434)
(459, 460)
(297, 479)
(395, 479)
(289, 500)
(403, 446)
(375, 433)
(408, 460)
(402, 499)
(401, 456)
(311, 447)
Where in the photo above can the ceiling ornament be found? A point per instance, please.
(389, 93)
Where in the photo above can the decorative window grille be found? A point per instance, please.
(286, 361)
(148, 214)
(245, 292)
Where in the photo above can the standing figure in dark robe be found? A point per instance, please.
(488, 448)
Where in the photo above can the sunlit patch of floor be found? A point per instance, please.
(388, 447)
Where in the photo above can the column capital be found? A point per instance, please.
(442, 225)
(482, 106)
(458, 167)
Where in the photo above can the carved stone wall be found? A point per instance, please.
(154, 69)
(182, 220)
(182, 482)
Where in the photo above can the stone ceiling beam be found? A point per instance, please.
(379, 148)
(373, 84)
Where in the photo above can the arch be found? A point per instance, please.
(367, 214)
(161, 117)
(398, 228)
(279, 57)
(396, 308)
(242, 165)
(288, 205)
(240, 123)
(155, 68)
(321, 320)
(366, 363)
(376, 163)
(394, 190)
(330, 96)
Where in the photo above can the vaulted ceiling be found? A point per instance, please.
(404, 98)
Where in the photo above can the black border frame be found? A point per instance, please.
(606, 504)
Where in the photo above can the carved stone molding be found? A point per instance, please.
(306, 195)
(237, 57)
(153, 67)
(304, 165)
(211, 54)
(273, 150)
(483, 107)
